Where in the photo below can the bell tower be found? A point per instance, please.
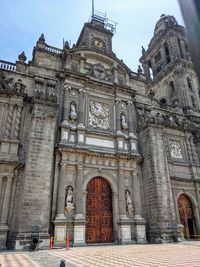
(97, 34)
(168, 67)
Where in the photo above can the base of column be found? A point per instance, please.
(80, 126)
(64, 134)
(140, 229)
(60, 234)
(124, 230)
(60, 230)
(3, 235)
(132, 136)
(180, 232)
(79, 230)
(60, 218)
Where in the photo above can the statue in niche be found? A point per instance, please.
(129, 205)
(69, 199)
(124, 124)
(73, 114)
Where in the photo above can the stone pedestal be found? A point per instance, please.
(125, 230)
(140, 230)
(60, 233)
(81, 137)
(64, 134)
(3, 235)
(180, 232)
(79, 230)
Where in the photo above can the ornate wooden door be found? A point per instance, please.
(99, 220)
(186, 216)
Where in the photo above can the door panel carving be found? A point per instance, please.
(99, 218)
(186, 216)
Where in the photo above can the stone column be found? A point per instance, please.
(68, 62)
(163, 56)
(124, 221)
(136, 195)
(64, 126)
(61, 193)
(130, 117)
(132, 136)
(122, 203)
(79, 192)
(81, 108)
(82, 64)
(66, 103)
(139, 222)
(6, 201)
(115, 74)
(117, 112)
(79, 223)
(60, 220)
(5, 210)
(1, 182)
(173, 48)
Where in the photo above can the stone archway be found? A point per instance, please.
(187, 216)
(99, 211)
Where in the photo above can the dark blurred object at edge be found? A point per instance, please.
(191, 14)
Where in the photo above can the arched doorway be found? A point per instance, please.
(186, 216)
(99, 216)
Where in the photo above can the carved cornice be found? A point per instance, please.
(165, 118)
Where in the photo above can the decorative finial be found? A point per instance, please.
(22, 57)
(42, 39)
(143, 50)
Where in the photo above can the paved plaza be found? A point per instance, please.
(169, 255)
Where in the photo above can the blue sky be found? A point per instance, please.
(23, 21)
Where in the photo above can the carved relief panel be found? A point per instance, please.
(98, 71)
(98, 115)
(175, 149)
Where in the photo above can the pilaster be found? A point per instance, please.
(5, 210)
(138, 222)
(124, 222)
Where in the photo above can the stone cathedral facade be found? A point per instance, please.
(95, 151)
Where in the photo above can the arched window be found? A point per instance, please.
(171, 86)
(189, 83)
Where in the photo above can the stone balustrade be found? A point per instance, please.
(7, 65)
(52, 49)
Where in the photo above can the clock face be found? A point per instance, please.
(99, 43)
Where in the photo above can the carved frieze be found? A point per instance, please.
(99, 71)
(99, 115)
(175, 149)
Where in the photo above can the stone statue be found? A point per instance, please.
(73, 114)
(129, 205)
(139, 70)
(66, 45)
(124, 125)
(69, 199)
